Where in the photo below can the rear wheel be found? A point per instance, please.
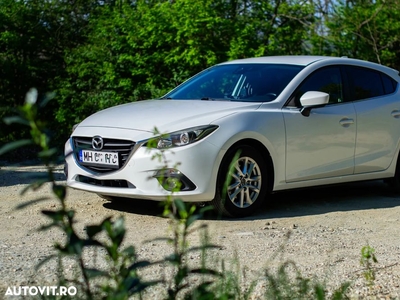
(242, 182)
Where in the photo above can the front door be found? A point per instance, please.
(321, 145)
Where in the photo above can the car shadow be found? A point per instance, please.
(27, 175)
(321, 200)
(295, 203)
(136, 206)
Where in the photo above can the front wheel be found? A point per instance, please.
(242, 182)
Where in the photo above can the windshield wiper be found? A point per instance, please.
(214, 99)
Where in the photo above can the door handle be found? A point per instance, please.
(396, 114)
(345, 122)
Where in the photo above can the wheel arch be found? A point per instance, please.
(264, 152)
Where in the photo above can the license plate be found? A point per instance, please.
(109, 159)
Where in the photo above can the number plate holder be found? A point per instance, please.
(99, 158)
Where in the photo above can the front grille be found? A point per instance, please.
(123, 147)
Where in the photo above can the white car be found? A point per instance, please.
(276, 123)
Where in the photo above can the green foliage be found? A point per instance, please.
(141, 51)
(97, 54)
(271, 28)
(33, 37)
(288, 283)
(183, 217)
(28, 117)
(366, 30)
(122, 277)
(367, 259)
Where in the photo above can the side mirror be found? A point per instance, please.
(311, 100)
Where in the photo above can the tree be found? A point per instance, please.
(141, 50)
(276, 27)
(33, 37)
(367, 30)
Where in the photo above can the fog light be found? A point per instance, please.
(172, 184)
(173, 180)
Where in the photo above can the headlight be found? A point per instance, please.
(181, 138)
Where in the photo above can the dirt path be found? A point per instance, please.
(327, 227)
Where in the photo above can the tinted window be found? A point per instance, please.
(237, 82)
(327, 80)
(389, 84)
(366, 83)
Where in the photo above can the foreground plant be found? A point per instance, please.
(367, 260)
(121, 278)
(183, 217)
(288, 283)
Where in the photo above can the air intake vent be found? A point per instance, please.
(107, 183)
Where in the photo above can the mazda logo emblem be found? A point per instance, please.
(97, 143)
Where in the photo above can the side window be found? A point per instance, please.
(366, 83)
(327, 80)
(389, 84)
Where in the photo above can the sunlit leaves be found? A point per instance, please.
(367, 30)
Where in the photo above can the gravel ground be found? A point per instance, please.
(322, 230)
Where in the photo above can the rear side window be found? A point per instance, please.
(366, 83)
(389, 84)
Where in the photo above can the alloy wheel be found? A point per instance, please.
(245, 184)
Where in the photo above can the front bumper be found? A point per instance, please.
(198, 162)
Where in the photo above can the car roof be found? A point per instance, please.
(305, 60)
(302, 60)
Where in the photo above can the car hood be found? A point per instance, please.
(165, 115)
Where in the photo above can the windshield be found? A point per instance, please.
(237, 82)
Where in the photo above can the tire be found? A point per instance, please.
(241, 191)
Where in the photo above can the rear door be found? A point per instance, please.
(378, 118)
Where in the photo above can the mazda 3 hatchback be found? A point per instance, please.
(240, 130)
